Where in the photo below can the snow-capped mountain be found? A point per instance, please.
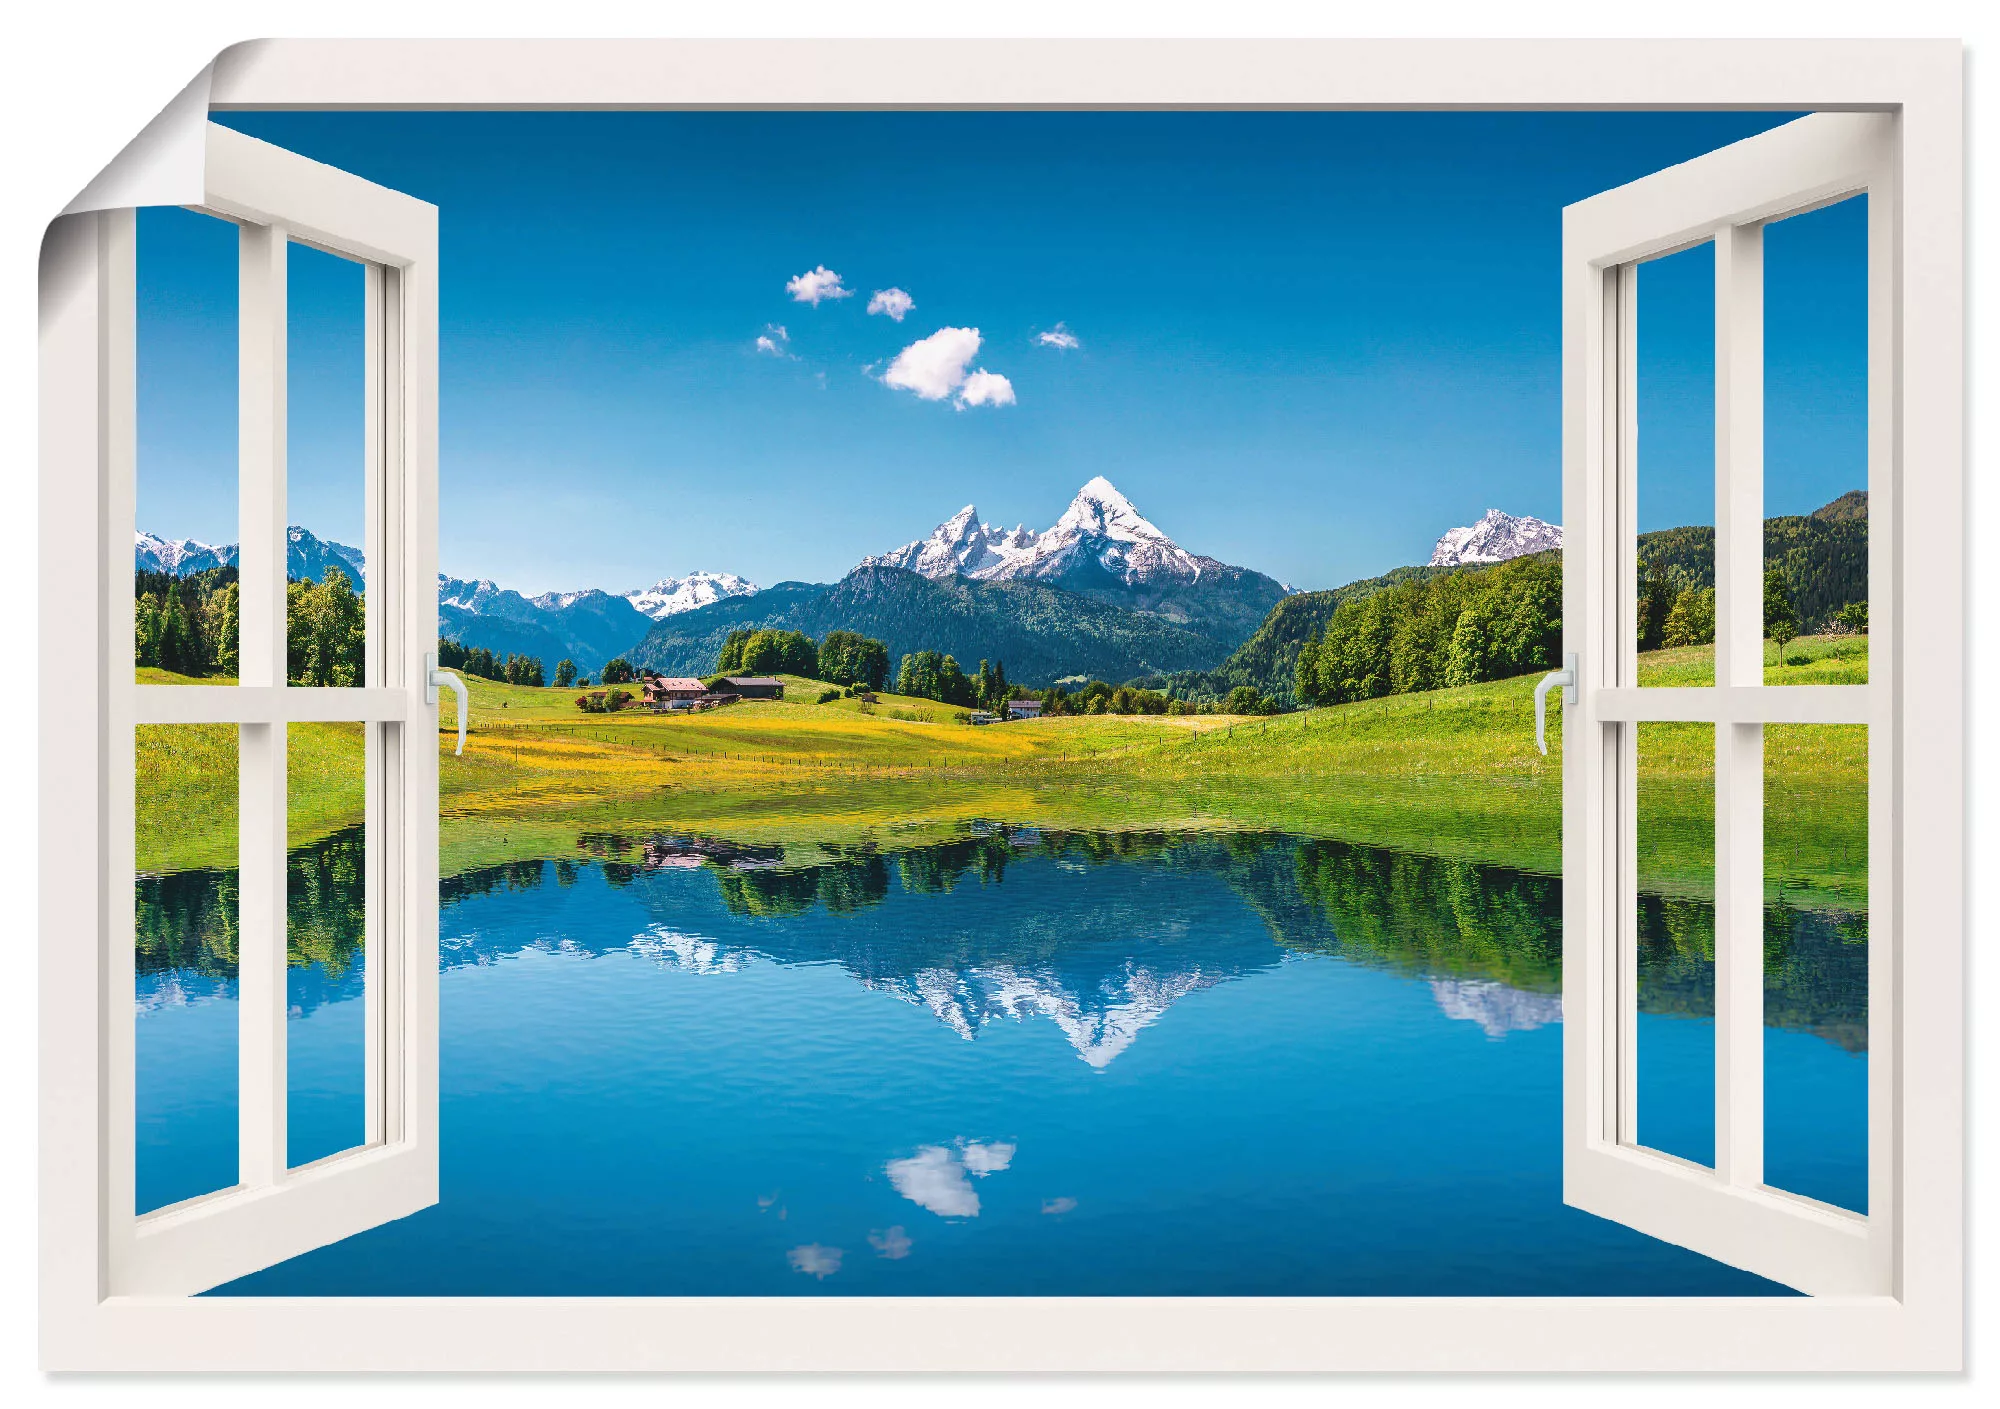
(1100, 1021)
(179, 556)
(1494, 539)
(1496, 1007)
(1100, 527)
(1102, 547)
(307, 555)
(673, 595)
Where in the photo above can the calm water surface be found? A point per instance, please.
(1018, 1063)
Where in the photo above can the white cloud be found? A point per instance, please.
(1058, 337)
(892, 1243)
(933, 1178)
(985, 388)
(986, 1159)
(1062, 1203)
(893, 302)
(936, 367)
(774, 340)
(815, 1260)
(816, 284)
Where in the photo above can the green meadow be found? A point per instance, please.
(1451, 773)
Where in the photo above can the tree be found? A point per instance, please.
(565, 673)
(1244, 699)
(849, 658)
(325, 632)
(730, 661)
(1656, 599)
(1469, 649)
(1781, 622)
(1853, 617)
(617, 671)
(221, 628)
(1691, 621)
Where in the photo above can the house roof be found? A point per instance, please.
(677, 682)
(753, 680)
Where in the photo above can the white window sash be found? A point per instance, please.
(1726, 1212)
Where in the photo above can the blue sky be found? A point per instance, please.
(1305, 342)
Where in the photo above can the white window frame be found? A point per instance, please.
(1725, 197)
(1917, 1323)
(276, 199)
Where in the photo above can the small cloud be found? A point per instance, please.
(774, 341)
(984, 388)
(815, 1260)
(986, 1159)
(892, 1243)
(1058, 1205)
(936, 367)
(816, 284)
(894, 302)
(1059, 337)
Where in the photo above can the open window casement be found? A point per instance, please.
(1726, 1211)
(278, 200)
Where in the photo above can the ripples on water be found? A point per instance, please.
(1014, 1063)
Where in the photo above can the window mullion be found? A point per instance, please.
(1739, 663)
(261, 789)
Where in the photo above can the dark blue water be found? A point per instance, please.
(1017, 1064)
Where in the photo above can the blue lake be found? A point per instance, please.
(1016, 1063)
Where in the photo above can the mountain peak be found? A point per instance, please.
(1497, 537)
(673, 595)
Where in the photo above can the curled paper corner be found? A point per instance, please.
(164, 164)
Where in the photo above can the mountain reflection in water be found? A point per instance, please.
(1274, 1017)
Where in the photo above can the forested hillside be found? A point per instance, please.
(1823, 555)
(1265, 661)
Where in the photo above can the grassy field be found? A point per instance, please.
(1451, 772)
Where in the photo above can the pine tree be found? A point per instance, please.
(1781, 622)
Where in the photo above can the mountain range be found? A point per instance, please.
(1103, 548)
(588, 627)
(1103, 593)
(306, 556)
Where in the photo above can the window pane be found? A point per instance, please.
(326, 466)
(326, 950)
(1816, 961)
(1675, 1044)
(184, 608)
(1816, 445)
(1674, 615)
(184, 956)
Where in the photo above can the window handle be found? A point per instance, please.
(433, 677)
(1566, 677)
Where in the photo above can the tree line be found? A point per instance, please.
(511, 669)
(191, 625)
(931, 676)
(1101, 697)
